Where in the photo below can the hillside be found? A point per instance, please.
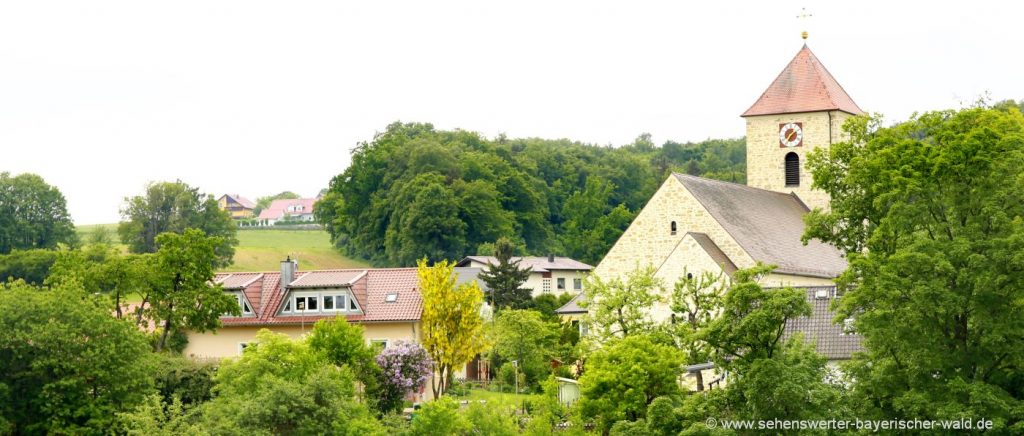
(262, 250)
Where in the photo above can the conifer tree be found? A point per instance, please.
(505, 278)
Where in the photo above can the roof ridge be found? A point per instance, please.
(738, 185)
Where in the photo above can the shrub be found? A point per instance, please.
(404, 368)
(439, 417)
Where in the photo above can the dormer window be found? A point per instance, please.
(243, 304)
(329, 301)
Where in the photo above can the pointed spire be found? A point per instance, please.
(803, 86)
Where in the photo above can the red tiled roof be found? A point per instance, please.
(235, 280)
(370, 287)
(279, 208)
(803, 86)
(327, 278)
(244, 202)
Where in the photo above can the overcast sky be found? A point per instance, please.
(256, 97)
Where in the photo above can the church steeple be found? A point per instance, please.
(803, 86)
(803, 109)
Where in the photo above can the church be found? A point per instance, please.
(693, 224)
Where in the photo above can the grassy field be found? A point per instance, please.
(263, 250)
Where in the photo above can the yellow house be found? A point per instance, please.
(385, 301)
(237, 206)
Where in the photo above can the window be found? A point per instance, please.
(561, 284)
(243, 304)
(379, 344)
(307, 303)
(241, 347)
(673, 227)
(792, 169)
(546, 285)
(331, 301)
(335, 302)
(577, 284)
(391, 298)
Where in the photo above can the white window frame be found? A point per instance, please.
(350, 305)
(560, 284)
(577, 284)
(376, 341)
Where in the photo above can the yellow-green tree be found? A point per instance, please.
(453, 331)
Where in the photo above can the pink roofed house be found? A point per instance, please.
(298, 209)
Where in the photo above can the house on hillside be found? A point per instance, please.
(294, 210)
(237, 206)
(548, 275)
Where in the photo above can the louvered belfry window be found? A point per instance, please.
(792, 169)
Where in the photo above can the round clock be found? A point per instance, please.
(791, 135)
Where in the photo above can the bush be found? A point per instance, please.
(490, 420)
(404, 368)
(189, 381)
(439, 417)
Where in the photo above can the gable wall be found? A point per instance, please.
(648, 240)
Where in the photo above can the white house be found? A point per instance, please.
(548, 275)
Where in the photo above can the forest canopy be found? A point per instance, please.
(415, 190)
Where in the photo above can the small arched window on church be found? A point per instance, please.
(792, 169)
(673, 226)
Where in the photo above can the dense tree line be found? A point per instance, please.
(415, 190)
(33, 214)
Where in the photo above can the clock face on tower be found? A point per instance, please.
(791, 134)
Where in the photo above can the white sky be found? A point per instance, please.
(256, 97)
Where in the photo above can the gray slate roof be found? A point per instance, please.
(828, 337)
(466, 275)
(768, 226)
(534, 263)
(573, 306)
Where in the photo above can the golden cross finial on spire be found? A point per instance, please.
(804, 16)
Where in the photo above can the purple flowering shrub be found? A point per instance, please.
(405, 367)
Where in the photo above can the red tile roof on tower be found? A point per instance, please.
(803, 86)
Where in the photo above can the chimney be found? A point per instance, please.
(551, 258)
(288, 267)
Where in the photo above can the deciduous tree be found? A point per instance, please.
(618, 308)
(624, 377)
(453, 331)
(523, 336)
(696, 301)
(68, 366)
(930, 216)
(174, 207)
(33, 214)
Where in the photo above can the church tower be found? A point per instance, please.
(803, 109)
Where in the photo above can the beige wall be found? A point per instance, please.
(536, 280)
(649, 242)
(225, 342)
(766, 159)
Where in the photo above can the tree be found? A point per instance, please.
(523, 336)
(68, 366)
(452, 326)
(282, 386)
(752, 319)
(696, 301)
(33, 214)
(505, 278)
(182, 294)
(438, 417)
(174, 207)
(618, 308)
(928, 212)
(623, 378)
(264, 202)
(32, 266)
(344, 344)
(405, 368)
